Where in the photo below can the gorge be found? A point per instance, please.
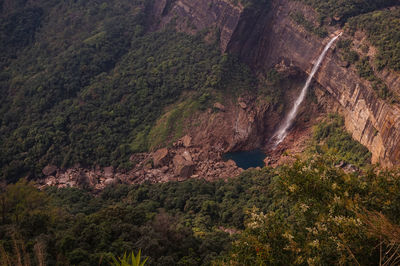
(266, 36)
(199, 132)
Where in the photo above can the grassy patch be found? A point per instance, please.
(171, 126)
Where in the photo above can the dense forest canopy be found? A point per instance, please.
(84, 83)
(341, 10)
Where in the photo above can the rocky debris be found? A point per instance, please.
(49, 170)
(160, 157)
(190, 162)
(219, 106)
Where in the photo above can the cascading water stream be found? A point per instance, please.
(281, 134)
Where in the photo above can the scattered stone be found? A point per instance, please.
(219, 106)
(49, 170)
(160, 157)
(242, 105)
(187, 141)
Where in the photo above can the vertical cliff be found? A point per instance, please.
(275, 37)
(265, 36)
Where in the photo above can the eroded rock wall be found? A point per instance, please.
(217, 16)
(372, 121)
(266, 36)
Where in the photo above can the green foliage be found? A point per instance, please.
(174, 223)
(271, 85)
(366, 71)
(313, 218)
(89, 84)
(17, 30)
(381, 26)
(383, 30)
(344, 9)
(301, 213)
(130, 260)
(171, 125)
(299, 18)
(251, 3)
(331, 137)
(346, 53)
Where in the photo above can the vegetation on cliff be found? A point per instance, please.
(341, 10)
(84, 83)
(383, 30)
(331, 138)
(381, 25)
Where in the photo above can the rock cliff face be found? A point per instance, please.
(264, 37)
(216, 16)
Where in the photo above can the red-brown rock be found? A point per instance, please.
(160, 157)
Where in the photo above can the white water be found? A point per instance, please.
(282, 132)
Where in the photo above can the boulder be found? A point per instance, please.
(187, 156)
(242, 105)
(182, 167)
(187, 141)
(160, 157)
(108, 172)
(230, 163)
(49, 170)
(111, 181)
(164, 169)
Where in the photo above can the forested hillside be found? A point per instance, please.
(84, 82)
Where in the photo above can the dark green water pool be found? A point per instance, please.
(246, 159)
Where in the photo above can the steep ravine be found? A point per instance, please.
(264, 37)
(373, 122)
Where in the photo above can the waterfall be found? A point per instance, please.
(280, 135)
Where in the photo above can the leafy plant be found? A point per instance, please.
(130, 260)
